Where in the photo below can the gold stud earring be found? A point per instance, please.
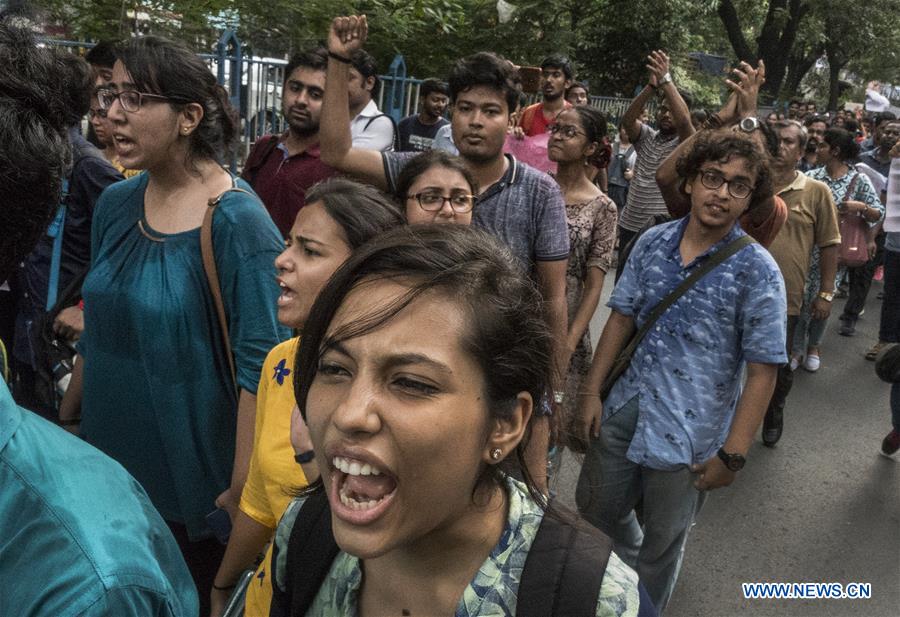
(496, 453)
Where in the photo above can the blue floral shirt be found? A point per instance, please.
(687, 370)
(494, 590)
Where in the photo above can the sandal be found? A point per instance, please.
(873, 352)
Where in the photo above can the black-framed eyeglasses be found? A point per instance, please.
(432, 201)
(713, 180)
(131, 100)
(566, 130)
(96, 113)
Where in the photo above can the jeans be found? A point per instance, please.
(610, 486)
(861, 281)
(619, 195)
(895, 406)
(890, 305)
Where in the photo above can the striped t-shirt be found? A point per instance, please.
(644, 197)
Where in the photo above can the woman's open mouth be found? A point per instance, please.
(360, 492)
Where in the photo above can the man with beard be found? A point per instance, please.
(417, 132)
(886, 135)
(673, 122)
(281, 168)
(812, 221)
(556, 77)
(518, 204)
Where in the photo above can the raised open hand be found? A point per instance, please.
(658, 65)
(746, 85)
(347, 34)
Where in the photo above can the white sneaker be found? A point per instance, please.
(811, 363)
(795, 363)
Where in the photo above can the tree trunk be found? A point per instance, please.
(799, 65)
(773, 45)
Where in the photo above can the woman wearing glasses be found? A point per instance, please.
(436, 187)
(103, 130)
(153, 381)
(574, 139)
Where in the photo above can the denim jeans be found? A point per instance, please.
(890, 305)
(895, 406)
(610, 486)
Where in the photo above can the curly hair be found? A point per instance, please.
(721, 146)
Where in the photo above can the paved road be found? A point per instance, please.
(823, 506)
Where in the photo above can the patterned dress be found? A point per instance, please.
(592, 236)
(864, 192)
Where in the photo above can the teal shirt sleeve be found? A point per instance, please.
(133, 600)
(246, 243)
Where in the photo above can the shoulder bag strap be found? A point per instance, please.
(57, 227)
(212, 273)
(624, 357)
(564, 568)
(851, 188)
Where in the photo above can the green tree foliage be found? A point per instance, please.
(608, 40)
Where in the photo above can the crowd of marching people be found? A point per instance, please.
(339, 382)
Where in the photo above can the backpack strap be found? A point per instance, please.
(208, 254)
(311, 551)
(396, 144)
(564, 568)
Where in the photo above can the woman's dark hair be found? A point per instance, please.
(34, 145)
(421, 163)
(486, 69)
(593, 121)
(361, 210)
(841, 139)
(170, 69)
(507, 335)
(770, 137)
(721, 146)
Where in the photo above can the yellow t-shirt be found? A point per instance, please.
(273, 473)
(128, 173)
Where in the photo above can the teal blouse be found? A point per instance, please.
(158, 396)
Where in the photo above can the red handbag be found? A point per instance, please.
(854, 235)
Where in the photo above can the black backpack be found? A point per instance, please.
(562, 575)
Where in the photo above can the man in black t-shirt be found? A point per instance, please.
(417, 131)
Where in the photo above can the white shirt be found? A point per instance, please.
(372, 134)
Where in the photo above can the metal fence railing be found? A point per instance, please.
(255, 86)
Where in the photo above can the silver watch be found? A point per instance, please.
(749, 124)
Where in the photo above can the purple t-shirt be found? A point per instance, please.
(525, 209)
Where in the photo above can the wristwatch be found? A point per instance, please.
(734, 462)
(828, 296)
(749, 124)
(664, 80)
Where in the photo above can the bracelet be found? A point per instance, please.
(339, 57)
(70, 421)
(305, 457)
(225, 588)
